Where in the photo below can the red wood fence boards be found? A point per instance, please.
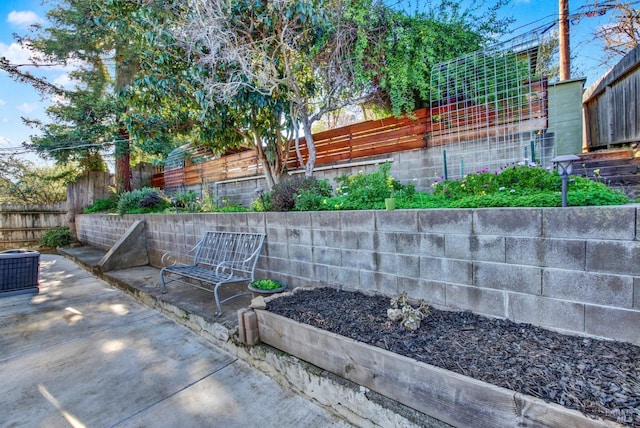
(444, 124)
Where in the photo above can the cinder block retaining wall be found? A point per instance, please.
(573, 269)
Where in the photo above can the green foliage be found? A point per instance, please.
(58, 237)
(21, 182)
(108, 204)
(186, 200)
(362, 191)
(297, 193)
(267, 284)
(517, 186)
(396, 51)
(142, 201)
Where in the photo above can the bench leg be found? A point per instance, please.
(164, 286)
(215, 295)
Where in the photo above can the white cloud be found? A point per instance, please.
(2, 102)
(64, 80)
(27, 107)
(23, 19)
(15, 53)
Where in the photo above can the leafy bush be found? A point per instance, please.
(285, 196)
(58, 237)
(366, 191)
(187, 200)
(108, 204)
(142, 200)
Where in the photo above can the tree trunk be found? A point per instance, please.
(311, 147)
(123, 163)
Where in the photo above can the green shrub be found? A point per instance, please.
(285, 195)
(58, 237)
(143, 200)
(108, 204)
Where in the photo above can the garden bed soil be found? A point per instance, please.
(596, 377)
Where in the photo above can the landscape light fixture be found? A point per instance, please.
(564, 165)
(260, 192)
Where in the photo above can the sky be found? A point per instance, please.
(20, 100)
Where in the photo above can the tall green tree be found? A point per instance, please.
(22, 182)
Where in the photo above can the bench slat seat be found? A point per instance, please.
(220, 258)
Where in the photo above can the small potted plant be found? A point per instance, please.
(266, 287)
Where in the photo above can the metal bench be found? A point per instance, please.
(220, 258)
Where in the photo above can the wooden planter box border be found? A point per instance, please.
(450, 397)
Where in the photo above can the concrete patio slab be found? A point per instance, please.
(80, 353)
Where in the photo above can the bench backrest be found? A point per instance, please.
(237, 250)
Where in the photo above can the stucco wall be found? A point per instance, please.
(573, 269)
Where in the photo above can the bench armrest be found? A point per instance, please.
(224, 269)
(170, 258)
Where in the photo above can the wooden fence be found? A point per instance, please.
(426, 127)
(24, 225)
(612, 105)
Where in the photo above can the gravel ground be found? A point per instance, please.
(597, 377)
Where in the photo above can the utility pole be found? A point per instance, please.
(563, 25)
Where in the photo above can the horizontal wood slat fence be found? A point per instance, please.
(445, 124)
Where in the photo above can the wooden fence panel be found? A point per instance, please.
(612, 105)
(455, 122)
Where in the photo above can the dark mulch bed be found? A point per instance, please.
(596, 377)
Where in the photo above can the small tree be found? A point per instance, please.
(21, 182)
(623, 33)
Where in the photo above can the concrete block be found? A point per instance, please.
(299, 236)
(588, 287)
(432, 292)
(408, 266)
(363, 221)
(559, 253)
(432, 244)
(353, 240)
(360, 259)
(320, 274)
(619, 257)
(385, 242)
(298, 219)
(408, 243)
(508, 222)
(301, 253)
(479, 300)
(378, 282)
(501, 276)
(447, 270)
(327, 256)
(590, 222)
(256, 222)
(546, 312)
(385, 262)
(343, 277)
(326, 238)
(636, 293)
(325, 220)
(397, 221)
(613, 323)
(276, 235)
(275, 249)
(473, 247)
(458, 221)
